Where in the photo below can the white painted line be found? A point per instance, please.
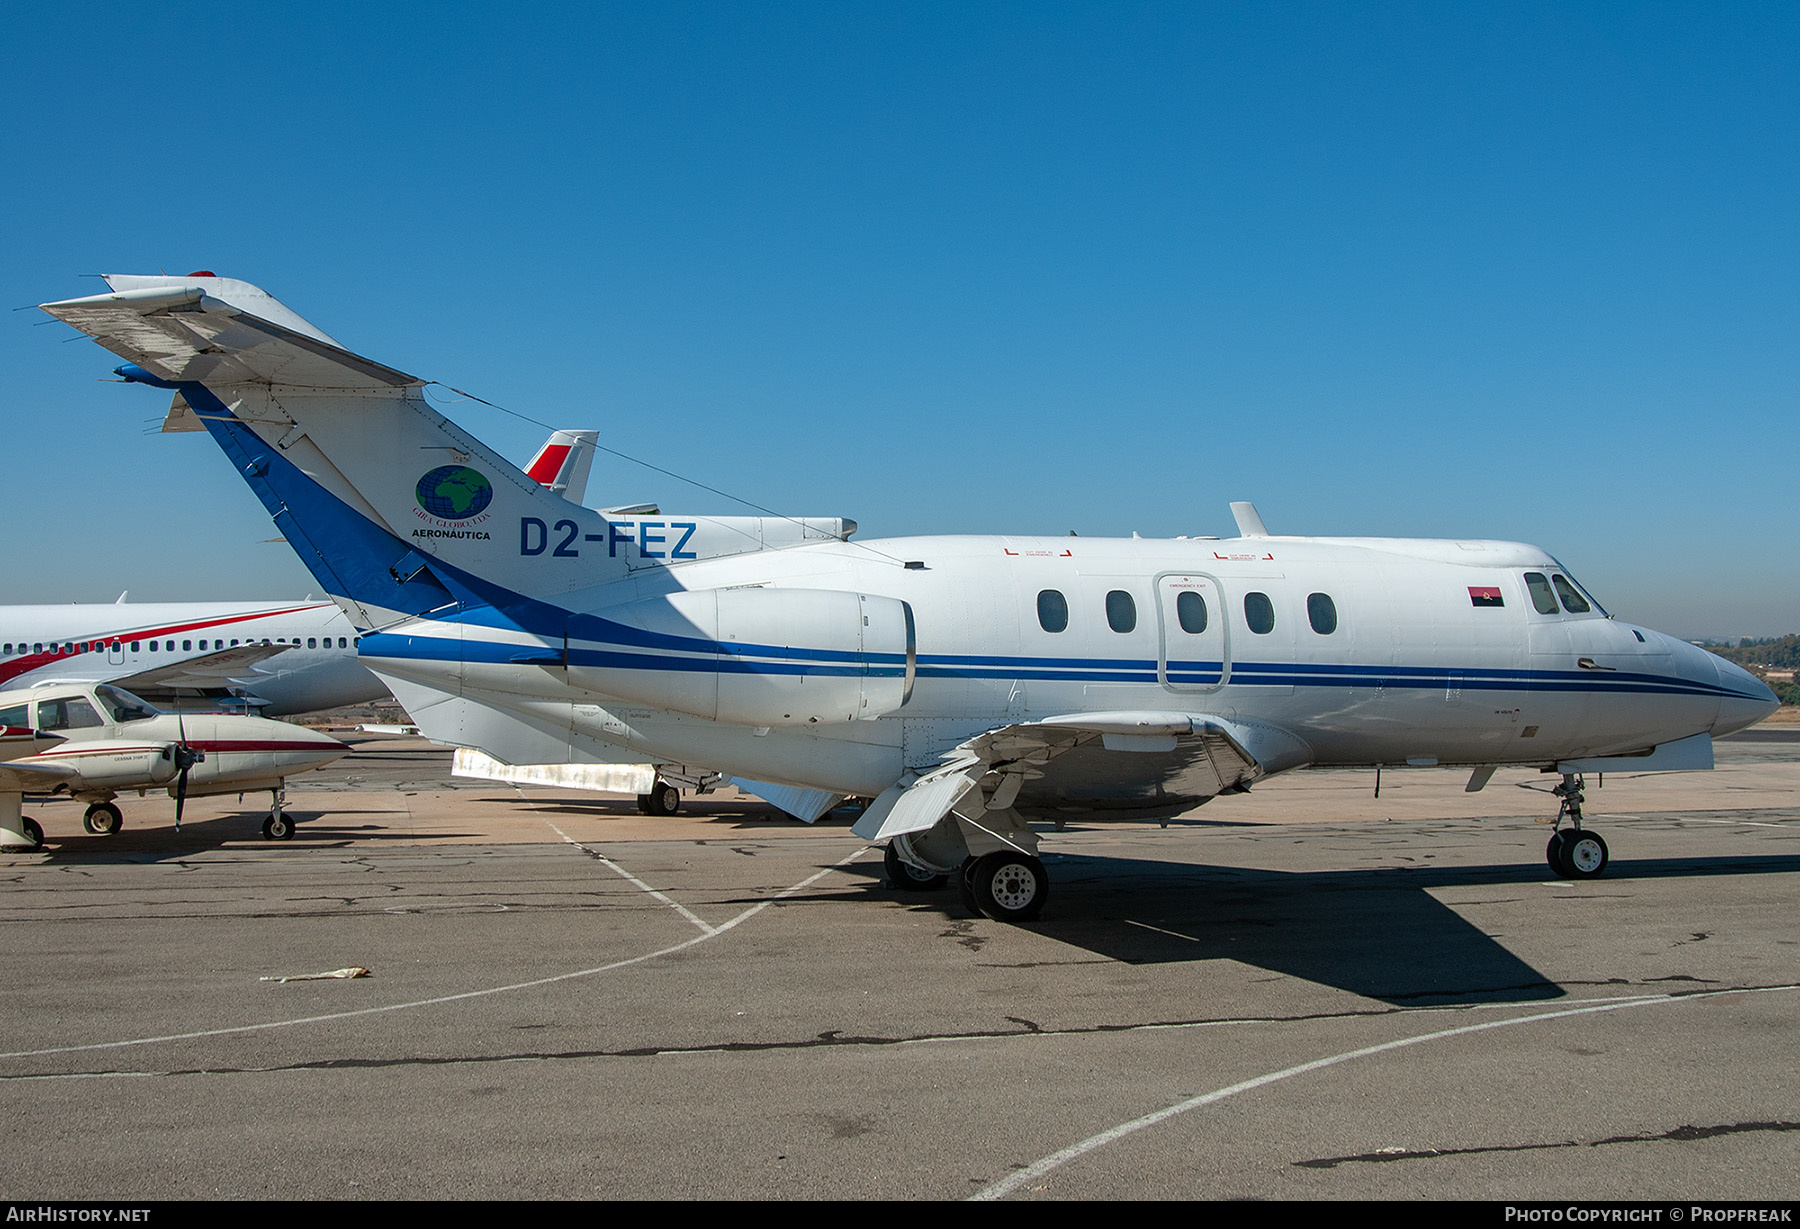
(711, 933)
(1038, 1169)
(628, 877)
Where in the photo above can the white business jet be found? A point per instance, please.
(276, 659)
(964, 683)
(94, 743)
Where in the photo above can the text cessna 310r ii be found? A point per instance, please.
(962, 682)
(95, 742)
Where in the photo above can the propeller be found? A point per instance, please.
(185, 758)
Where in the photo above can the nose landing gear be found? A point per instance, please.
(1574, 852)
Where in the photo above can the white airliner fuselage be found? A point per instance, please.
(159, 649)
(959, 681)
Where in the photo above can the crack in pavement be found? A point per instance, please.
(1683, 1134)
(828, 1038)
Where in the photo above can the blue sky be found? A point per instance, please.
(1510, 271)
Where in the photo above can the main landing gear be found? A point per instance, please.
(663, 799)
(1574, 852)
(103, 819)
(1006, 885)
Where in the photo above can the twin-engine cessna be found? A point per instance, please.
(963, 683)
(96, 742)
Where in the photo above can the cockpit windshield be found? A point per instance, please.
(122, 704)
(1575, 597)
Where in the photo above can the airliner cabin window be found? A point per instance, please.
(1259, 613)
(1121, 611)
(1543, 598)
(1053, 611)
(1321, 612)
(1190, 611)
(1572, 601)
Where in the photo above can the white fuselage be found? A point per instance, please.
(1434, 652)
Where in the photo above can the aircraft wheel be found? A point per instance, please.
(1584, 853)
(278, 827)
(1553, 852)
(103, 819)
(905, 876)
(1009, 886)
(665, 799)
(33, 829)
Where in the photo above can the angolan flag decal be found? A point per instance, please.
(1484, 595)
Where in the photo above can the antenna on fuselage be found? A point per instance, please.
(1249, 521)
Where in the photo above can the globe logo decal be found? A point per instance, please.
(455, 492)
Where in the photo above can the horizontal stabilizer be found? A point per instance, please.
(203, 329)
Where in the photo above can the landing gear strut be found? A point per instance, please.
(278, 827)
(1574, 852)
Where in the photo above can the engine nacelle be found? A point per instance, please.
(754, 656)
(119, 765)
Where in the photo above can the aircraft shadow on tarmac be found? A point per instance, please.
(1378, 933)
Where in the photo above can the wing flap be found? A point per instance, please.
(1212, 755)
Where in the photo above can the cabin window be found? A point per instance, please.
(1053, 611)
(1259, 613)
(73, 713)
(187, 646)
(312, 642)
(8, 649)
(18, 717)
(1321, 612)
(134, 646)
(37, 648)
(1543, 597)
(1190, 611)
(1121, 611)
(1572, 601)
(342, 644)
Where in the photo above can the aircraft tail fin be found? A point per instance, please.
(395, 509)
(562, 464)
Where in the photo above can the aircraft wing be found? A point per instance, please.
(32, 775)
(224, 668)
(1211, 753)
(182, 329)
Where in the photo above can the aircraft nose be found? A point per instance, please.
(1745, 701)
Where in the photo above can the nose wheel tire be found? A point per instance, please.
(278, 827)
(103, 819)
(906, 877)
(1584, 853)
(1576, 853)
(1553, 853)
(1007, 886)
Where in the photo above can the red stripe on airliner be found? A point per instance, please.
(13, 667)
(548, 464)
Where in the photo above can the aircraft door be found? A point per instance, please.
(1194, 650)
